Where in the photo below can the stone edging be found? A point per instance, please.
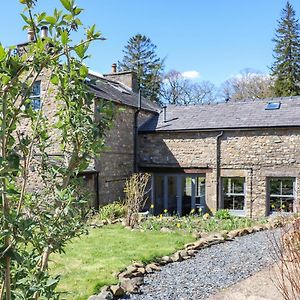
(132, 277)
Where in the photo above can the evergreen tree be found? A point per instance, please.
(140, 56)
(286, 68)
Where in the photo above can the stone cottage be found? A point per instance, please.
(243, 156)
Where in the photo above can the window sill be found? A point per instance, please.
(237, 213)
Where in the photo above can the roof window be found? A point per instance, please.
(272, 105)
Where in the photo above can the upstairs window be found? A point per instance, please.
(234, 193)
(281, 194)
(35, 95)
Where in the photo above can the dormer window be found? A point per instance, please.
(35, 95)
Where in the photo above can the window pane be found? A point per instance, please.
(287, 187)
(238, 185)
(275, 204)
(275, 187)
(238, 202)
(287, 204)
(36, 104)
(228, 202)
(36, 89)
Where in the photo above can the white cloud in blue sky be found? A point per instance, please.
(191, 74)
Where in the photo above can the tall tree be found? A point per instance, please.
(140, 56)
(176, 89)
(286, 67)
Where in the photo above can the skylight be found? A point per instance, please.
(272, 105)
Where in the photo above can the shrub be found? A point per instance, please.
(222, 214)
(112, 211)
(135, 190)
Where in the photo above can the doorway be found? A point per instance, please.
(178, 193)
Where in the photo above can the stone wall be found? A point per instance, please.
(114, 165)
(254, 154)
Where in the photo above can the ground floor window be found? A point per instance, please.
(178, 193)
(281, 194)
(233, 193)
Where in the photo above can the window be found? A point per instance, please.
(273, 105)
(35, 95)
(234, 193)
(281, 194)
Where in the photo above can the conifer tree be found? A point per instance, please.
(286, 67)
(140, 56)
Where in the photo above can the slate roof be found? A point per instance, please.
(119, 93)
(229, 115)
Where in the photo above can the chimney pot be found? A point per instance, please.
(44, 32)
(114, 68)
(30, 35)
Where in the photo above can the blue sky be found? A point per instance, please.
(216, 38)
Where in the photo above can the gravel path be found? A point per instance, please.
(213, 268)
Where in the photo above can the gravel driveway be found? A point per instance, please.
(212, 269)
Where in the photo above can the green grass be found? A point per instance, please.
(93, 261)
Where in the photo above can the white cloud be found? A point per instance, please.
(191, 74)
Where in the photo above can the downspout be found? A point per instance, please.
(218, 170)
(135, 133)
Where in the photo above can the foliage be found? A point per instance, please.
(94, 260)
(197, 223)
(36, 224)
(135, 198)
(112, 211)
(181, 91)
(287, 252)
(249, 85)
(222, 214)
(286, 67)
(140, 56)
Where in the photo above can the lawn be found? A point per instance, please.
(93, 260)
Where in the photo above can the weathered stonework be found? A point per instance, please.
(253, 154)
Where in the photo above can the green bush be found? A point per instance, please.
(222, 214)
(112, 211)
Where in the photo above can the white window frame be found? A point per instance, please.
(236, 212)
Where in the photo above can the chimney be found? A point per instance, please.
(128, 78)
(44, 32)
(114, 68)
(165, 113)
(30, 35)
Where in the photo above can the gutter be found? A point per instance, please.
(218, 170)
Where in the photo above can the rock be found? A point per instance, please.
(117, 290)
(192, 252)
(131, 285)
(127, 273)
(257, 228)
(197, 235)
(164, 229)
(148, 270)
(131, 269)
(102, 296)
(166, 259)
(105, 288)
(186, 257)
(176, 257)
(141, 270)
(137, 274)
(138, 264)
(115, 221)
(104, 222)
(199, 244)
(183, 253)
(154, 267)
